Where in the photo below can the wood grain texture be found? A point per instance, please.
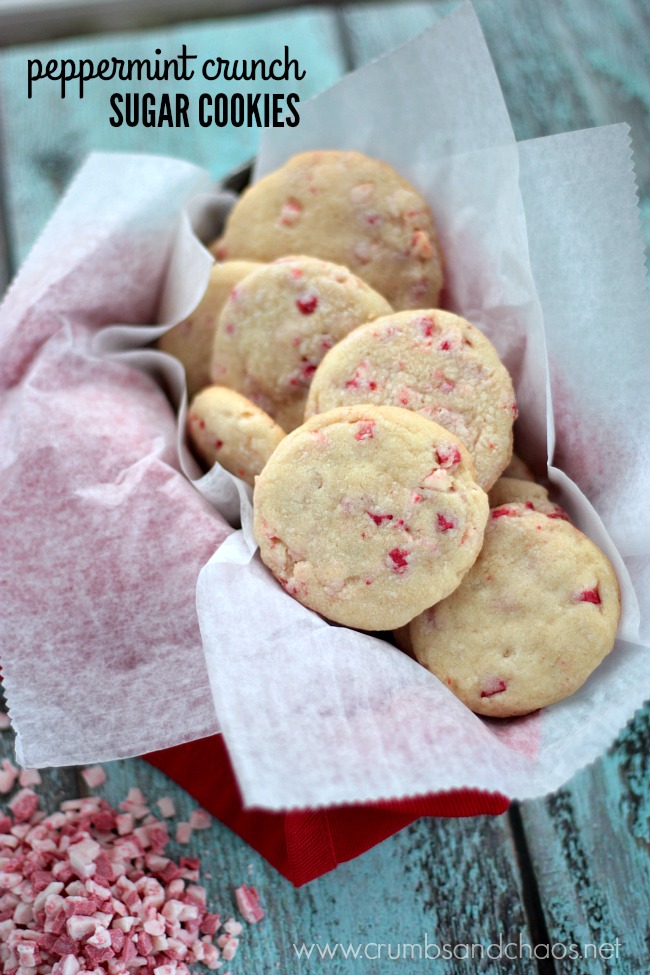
(572, 64)
(377, 28)
(47, 138)
(562, 65)
(446, 879)
(590, 845)
(32, 21)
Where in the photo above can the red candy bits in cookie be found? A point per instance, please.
(399, 559)
(306, 306)
(590, 596)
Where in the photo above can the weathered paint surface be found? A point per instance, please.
(562, 66)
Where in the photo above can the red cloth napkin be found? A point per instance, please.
(305, 844)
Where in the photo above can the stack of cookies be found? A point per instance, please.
(377, 430)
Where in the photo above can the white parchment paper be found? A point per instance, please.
(102, 537)
(313, 714)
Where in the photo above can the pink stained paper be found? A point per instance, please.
(101, 534)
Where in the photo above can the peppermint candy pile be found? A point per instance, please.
(88, 890)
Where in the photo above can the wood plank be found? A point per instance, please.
(32, 21)
(589, 844)
(574, 64)
(47, 138)
(376, 28)
(414, 883)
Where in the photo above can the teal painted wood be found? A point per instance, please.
(46, 139)
(590, 844)
(573, 64)
(372, 30)
(444, 880)
(562, 66)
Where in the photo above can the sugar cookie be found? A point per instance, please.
(532, 619)
(346, 208)
(226, 427)
(518, 468)
(191, 340)
(434, 363)
(367, 514)
(277, 325)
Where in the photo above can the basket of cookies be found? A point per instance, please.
(289, 480)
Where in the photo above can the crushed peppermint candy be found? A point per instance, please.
(183, 832)
(88, 890)
(248, 902)
(8, 776)
(200, 819)
(93, 776)
(166, 806)
(28, 777)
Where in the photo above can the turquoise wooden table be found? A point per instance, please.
(572, 868)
